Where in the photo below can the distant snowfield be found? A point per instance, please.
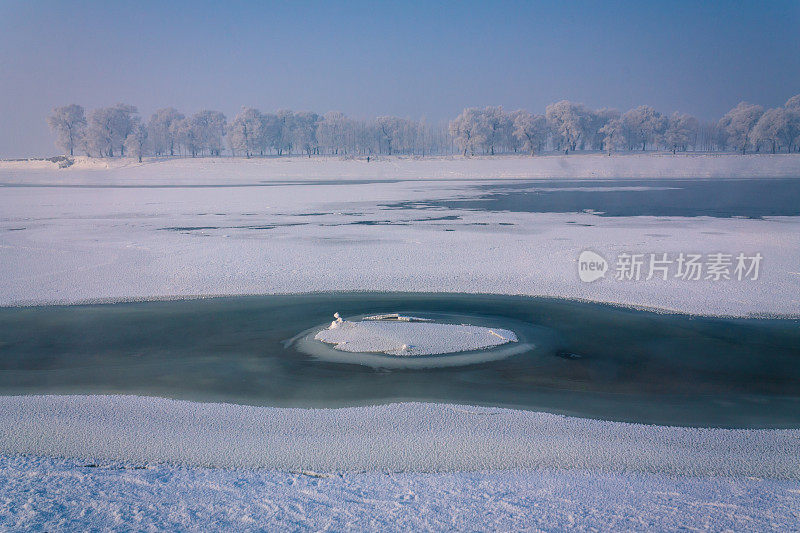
(237, 170)
(204, 227)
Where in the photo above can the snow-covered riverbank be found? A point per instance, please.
(184, 171)
(131, 466)
(45, 494)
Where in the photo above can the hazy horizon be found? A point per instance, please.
(407, 59)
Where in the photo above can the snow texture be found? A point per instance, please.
(204, 227)
(41, 494)
(406, 338)
(398, 437)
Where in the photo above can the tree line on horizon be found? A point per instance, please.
(119, 131)
(568, 127)
(565, 126)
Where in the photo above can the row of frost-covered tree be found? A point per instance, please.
(119, 131)
(565, 127)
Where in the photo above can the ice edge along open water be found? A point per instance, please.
(588, 360)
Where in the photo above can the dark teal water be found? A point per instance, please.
(722, 198)
(590, 360)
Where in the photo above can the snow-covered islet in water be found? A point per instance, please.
(407, 336)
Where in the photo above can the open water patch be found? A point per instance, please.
(583, 359)
(720, 198)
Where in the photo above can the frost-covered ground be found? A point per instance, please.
(67, 495)
(118, 231)
(220, 227)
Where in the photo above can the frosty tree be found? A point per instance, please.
(643, 125)
(466, 130)
(304, 132)
(109, 127)
(737, 124)
(597, 121)
(282, 136)
(125, 121)
(391, 129)
(773, 130)
(188, 133)
(612, 134)
(332, 132)
(136, 140)
(569, 123)
(498, 129)
(792, 106)
(270, 133)
(211, 127)
(530, 130)
(681, 132)
(565, 126)
(161, 130)
(246, 132)
(69, 124)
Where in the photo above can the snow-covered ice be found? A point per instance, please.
(202, 227)
(406, 337)
(396, 437)
(395, 316)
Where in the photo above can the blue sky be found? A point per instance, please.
(411, 59)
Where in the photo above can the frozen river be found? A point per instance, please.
(225, 227)
(587, 359)
(452, 236)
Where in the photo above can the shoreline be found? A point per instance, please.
(443, 293)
